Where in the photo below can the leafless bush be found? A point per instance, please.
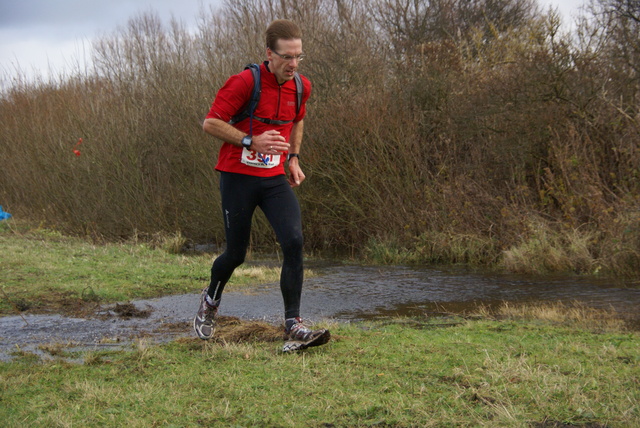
(438, 121)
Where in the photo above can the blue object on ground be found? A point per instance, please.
(3, 215)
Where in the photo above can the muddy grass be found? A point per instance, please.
(67, 304)
(228, 330)
(129, 310)
(342, 293)
(77, 324)
(235, 330)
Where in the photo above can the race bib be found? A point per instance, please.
(258, 160)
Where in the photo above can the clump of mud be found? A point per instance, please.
(129, 310)
(232, 329)
(235, 330)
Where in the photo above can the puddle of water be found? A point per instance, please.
(343, 293)
(355, 292)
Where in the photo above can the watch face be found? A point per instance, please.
(246, 142)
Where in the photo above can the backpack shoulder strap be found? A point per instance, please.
(251, 105)
(299, 91)
(247, 111)
(255, 94)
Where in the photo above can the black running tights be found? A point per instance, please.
(241, 194)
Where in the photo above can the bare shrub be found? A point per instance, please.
(443, 129)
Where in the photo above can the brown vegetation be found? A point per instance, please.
(452, 131)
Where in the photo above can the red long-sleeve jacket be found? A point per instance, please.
(277, 102)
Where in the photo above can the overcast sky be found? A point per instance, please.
(39, 36)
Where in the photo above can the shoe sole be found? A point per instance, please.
(296, 345)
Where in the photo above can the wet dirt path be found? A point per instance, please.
(342, 293)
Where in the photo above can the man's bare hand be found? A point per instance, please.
(296, 176)
(271, 142)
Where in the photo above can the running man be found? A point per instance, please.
(251, 163)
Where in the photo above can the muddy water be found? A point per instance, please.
(343, 293)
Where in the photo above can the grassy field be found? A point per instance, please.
(43, 271)
(546, 366)
(439, 373)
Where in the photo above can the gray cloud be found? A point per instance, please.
(45, 34)
(35, 13)
(87, 17)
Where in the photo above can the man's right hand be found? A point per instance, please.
(271, 142)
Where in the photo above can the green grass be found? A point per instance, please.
(42, 270)
(473, 373)
(534, 366)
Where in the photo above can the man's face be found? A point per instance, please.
(284, 68)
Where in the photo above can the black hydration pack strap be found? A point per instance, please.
(247, 112)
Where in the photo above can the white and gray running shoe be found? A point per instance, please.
(299, 337)
(204, 322)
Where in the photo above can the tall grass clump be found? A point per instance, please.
(545, 251)
(442, 129)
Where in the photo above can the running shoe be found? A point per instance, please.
(204, 322)
(299, 337)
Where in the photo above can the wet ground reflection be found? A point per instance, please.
(340, 292)
(356, 292)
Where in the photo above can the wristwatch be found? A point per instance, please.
(246, 142)
(293, 155)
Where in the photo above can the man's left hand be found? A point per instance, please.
(296, 176)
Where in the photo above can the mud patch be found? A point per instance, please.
(341, 293)
(129, 310)
(119, 325)
(174, 327)
(235, 330)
